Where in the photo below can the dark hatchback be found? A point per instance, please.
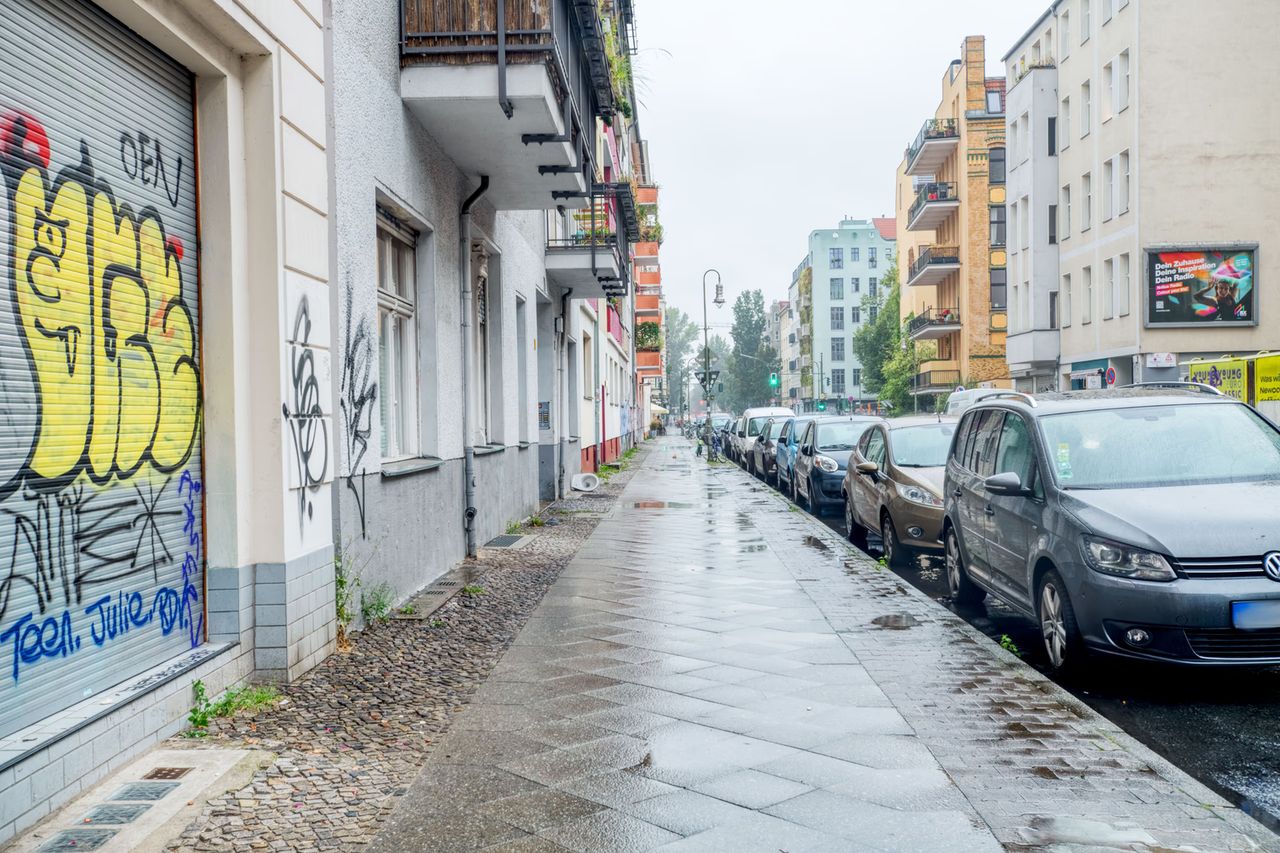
(817, 475)
(1139, 522)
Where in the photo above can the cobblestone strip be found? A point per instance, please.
(1040, 767)
(352, 734)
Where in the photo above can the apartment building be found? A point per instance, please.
(951, 222)
(843, 268)
(789, 355)
(1158, 214)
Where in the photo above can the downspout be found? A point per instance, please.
(566, 394)
(468, 349)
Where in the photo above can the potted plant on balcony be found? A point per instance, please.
(648, 337)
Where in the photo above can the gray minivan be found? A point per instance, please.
(1140, 522)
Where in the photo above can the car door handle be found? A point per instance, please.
(958, 493)
(989, 510)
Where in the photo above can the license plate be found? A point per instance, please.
(1255, 615)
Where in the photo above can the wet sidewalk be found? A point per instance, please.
(717, 671)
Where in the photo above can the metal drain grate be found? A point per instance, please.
(150, 791)
(116, 813)
(77, 839)
(168, 773)
(506, 540)
(446, 583)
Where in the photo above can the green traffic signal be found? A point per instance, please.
(822, 405)
(773, 380)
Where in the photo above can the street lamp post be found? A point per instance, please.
(706, 344)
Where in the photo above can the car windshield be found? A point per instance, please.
(753, 425)
(719, 422)
(775, 429)
(924, 446)
(1161, 446)
(841, 436)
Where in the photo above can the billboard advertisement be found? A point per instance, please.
(1193, 287)
(1227, 376)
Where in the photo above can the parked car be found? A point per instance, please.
(763, 460)
(817, 474)
(1136, 522)
(893, 486)
(958, 402)
(749, 426)
(738, 427)
(785, 449)
(720, 421)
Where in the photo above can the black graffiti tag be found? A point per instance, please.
(143, 160)
(306, 420)
(358, 395)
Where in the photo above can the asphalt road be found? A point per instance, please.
(1222, 726)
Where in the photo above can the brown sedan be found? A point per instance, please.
(893, 486)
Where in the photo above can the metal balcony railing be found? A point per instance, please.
(931, 317)
(935, 379)
(930, 255)
(934, 128)
(932, 192)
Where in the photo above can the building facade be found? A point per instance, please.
(951, 219)
(1158, 233)
(844, 267)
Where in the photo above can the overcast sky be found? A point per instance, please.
(768, 119)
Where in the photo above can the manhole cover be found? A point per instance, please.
(116, 813)
(896, 621)
(151, 791)
(78, 839)
(168, 773)
(506, 540)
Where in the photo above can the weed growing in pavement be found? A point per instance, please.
(883, 562)
(436, 623)
(537, 521)
(513, 528)
(1007, 643)
(607, 470)
(345, 585)
(375, 604)
(472, 590)
(250, 698)
(408, 610)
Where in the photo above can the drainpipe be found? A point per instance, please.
(468, 349)
(565, 393)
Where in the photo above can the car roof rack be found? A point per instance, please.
(1026, 398)
(1198, 387)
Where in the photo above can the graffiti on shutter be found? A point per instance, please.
(100, 428)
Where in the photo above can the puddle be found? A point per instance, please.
(661, 505)
(816, 543)
(896, 621)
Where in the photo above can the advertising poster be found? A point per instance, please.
(1202, 286)
(1227, 376)
(1267, 379)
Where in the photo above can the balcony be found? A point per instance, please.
(585, 252)
(648, 360)
(646, 252)
(932, 324)
(1032, 352)
(934, 203)
(649, 304)
(510, 89)
(935, 381)
(932, 265)
(649, 278)
(934, 144)
(647, 195)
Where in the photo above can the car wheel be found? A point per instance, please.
(898, 555)
(853, 528)
(1062, 641)
(962, 588)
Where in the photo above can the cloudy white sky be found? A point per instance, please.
(768, 119)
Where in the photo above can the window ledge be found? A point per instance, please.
(405, 467)
(525, 445)
(573, 439)
(487, 449)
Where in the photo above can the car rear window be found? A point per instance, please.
(922, 446)
(841, 436)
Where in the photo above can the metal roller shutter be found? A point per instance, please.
(101, 484)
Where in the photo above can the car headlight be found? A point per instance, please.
(1112, 558)
(917, 495)
(826, 463)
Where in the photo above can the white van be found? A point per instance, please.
(961, 400)
(749, 425)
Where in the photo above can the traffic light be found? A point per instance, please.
(773, 380)
(822, 405)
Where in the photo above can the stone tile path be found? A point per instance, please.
(707, 674)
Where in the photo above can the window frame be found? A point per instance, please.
(992, 160)
(835, 257)
(398, 391)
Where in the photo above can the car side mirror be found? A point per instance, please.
(868, 468)
(1008, 484)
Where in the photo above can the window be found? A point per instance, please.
(588, 368)
(835, 258)
(837, 288)
(1016, 454)
(855, 254)
(482, 320)
(999, 288)
(1086, 108)
(997, 218)
(837, 381)
(872, 284)
(1014, 223)
(1123, 284)
(1053, 225)
(1053, 309)
(837, 318)
(1122, 187)
(1064, 35)
(855, 377)
(1086, 310)
(872, 312)
(855, 315)
(1024, 225)
(1122, 82)
(1108, 91)
(1066, 301)
(993, 101)
(1086, 191)
(522, 366)
(871, 256)
(1085, 22)
(1064, 124)
(1064, 225)
(1052, 136)
(397, 339)
(982, 453)
(1108, 190)
(1107, 11)
(996, 166)
(855, 284)
(837, 349)
(1108, 289)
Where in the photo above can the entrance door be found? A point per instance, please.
(101, 485)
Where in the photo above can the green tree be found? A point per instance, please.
(681, 338)
(752, 360)
(877, 343)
